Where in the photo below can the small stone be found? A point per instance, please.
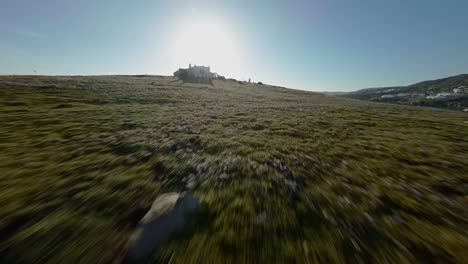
(292, 185)
(203, 167)
(191, 184)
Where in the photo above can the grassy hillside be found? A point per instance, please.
(440, 85)
(285, 175)
(417, 94)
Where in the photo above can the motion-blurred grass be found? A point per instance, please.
(286, 176)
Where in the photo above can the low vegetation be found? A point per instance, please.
(285, 176)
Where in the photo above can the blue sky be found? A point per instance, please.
(314, 45)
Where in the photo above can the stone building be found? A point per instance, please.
(198, 74)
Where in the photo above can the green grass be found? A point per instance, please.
(285, 176)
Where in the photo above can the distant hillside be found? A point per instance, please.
(450, 93)
(333, 93)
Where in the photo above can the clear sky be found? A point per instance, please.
(314, 45)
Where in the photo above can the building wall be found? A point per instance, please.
(200, 72)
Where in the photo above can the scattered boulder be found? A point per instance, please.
(167, 216)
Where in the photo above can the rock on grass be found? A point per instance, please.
(167, 216)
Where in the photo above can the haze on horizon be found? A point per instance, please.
(312, 45)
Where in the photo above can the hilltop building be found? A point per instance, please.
(198, 74)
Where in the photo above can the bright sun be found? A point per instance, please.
(209, 43)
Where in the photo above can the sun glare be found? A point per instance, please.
(209, 43)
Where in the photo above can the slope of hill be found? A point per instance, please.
(451, 93)
(285, 175)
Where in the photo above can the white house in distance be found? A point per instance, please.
(200, 74)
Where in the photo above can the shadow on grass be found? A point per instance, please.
(197, 221)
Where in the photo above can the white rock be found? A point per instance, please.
(167, 216)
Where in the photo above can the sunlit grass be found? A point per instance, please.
(285, 176)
